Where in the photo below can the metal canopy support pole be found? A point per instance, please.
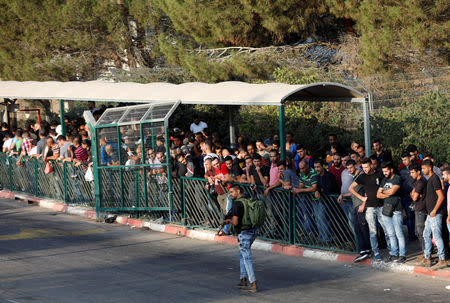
(232, 126)
(95, 161)
(61, 117)
(282, 132)
(168, 168)
(144, 171)
(366, 112)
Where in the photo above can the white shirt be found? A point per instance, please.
(7, 144)
(198, 128)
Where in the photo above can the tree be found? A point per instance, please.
(58, 40)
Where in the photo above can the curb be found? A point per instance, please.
(206, 235)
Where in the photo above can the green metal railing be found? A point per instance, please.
(291, 219)
(66, 183)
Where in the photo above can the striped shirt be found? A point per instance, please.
(81, 154)
(309, 180)
(27, 145)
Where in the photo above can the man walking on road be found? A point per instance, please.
(246, 237)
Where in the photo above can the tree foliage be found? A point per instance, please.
(58, 40)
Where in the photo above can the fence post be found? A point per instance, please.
(64, 180)
(11, 182)
(36, 176)
(183, 201)
(291, 218)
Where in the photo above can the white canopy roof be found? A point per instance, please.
(224, 93)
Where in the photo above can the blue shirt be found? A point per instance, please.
(290, 176)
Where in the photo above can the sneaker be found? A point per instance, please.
(361, 257)
(377, 257)
(440, 264)
(426, 262)
(253, 288)
(401, 260)
(390, 259)
(243, 283)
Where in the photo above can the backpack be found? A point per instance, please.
(254, 212)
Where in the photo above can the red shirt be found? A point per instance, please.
(337, 174)
(418, 161)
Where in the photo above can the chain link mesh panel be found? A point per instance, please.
(321, 223)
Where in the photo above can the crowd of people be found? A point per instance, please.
(376, 195)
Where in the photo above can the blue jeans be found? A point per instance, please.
(245, 239)
(433, 227)
(226, 228)
(373, 214)
(347, 206)
(394, 230)
(323, 228)
(311, 216)
(448, 227)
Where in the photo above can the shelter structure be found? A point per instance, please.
(150, 120)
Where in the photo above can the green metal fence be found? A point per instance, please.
(292, 219)
(66, 183)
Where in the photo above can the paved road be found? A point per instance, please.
(52, 257)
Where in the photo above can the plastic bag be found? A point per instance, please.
(48, 169)
(89, 176)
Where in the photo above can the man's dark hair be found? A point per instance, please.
(228, 158)
(376, 140)
(52, 132)
(276, 142)
(366, 161)
(428, 155)
(274, 151)
(199, 133)
(332, 135)
(19, 132)
(279, 163)
(373, 157)
(5, 125)
(415, 166)
(177, 157)
(256, 157)
(236, 187)
(351, 162)
(427, 162)
(318, 161)
(9, 134)
(60, 137)
(412, 148)
(337, 154)
(352, 152)
(386, 164)
(290, 133)
(299, 146)
(405, 154)
(447, 170)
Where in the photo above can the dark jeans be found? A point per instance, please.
(361, 230)
(420, 217)
(410, 217)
